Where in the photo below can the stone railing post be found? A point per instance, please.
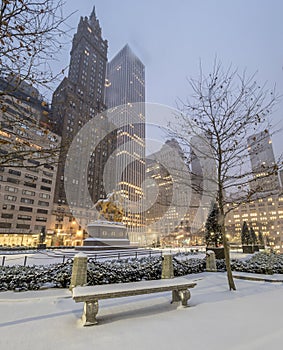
(210, 261)
(167, 266)
(79, 271)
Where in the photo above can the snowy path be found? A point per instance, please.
(250, 318)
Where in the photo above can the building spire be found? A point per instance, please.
(93, 19)
(93, 13)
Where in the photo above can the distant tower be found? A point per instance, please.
(164, 207)
(262, 162)
(125, 86)
(79, 98)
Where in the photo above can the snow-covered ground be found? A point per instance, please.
(46, 257)
(34, 257)
(246, 319)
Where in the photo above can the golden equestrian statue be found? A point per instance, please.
(110, 209)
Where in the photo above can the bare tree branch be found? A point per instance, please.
(226, 109)
(31, 35)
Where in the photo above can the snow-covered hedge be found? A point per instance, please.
(23, 278)
(263, 263)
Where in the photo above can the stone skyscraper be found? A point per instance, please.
(125, 87)
(78, 99)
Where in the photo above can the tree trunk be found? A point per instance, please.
(227, 260)
(225, 242)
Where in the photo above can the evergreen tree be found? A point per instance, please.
(245, 234)
(213, 234)
(253, 237)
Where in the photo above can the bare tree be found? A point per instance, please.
(31, 34)
(226, 108)
(24, 129)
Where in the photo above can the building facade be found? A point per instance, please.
(77, 100)
(264, 215)
(170, 217)
(125, 87)
(29, 157)
(265, 212)
(80, 97)
(265, 177)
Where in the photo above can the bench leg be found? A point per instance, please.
(181, 295)
(185, 296)
(90, 312)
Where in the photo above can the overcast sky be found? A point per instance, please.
(171, 37)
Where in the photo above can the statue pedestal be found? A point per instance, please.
(104, 233)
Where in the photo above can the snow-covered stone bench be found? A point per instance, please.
(91, 294)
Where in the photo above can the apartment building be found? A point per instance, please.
(28, 166)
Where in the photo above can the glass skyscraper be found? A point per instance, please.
(125, 87)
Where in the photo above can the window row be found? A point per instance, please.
(28, 192)
(10, 216)
(22, 226)
(11, 198)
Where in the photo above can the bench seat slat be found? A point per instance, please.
(115, 290)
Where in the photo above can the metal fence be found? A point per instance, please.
(45, 258)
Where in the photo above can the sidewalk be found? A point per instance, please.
(276, 278)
